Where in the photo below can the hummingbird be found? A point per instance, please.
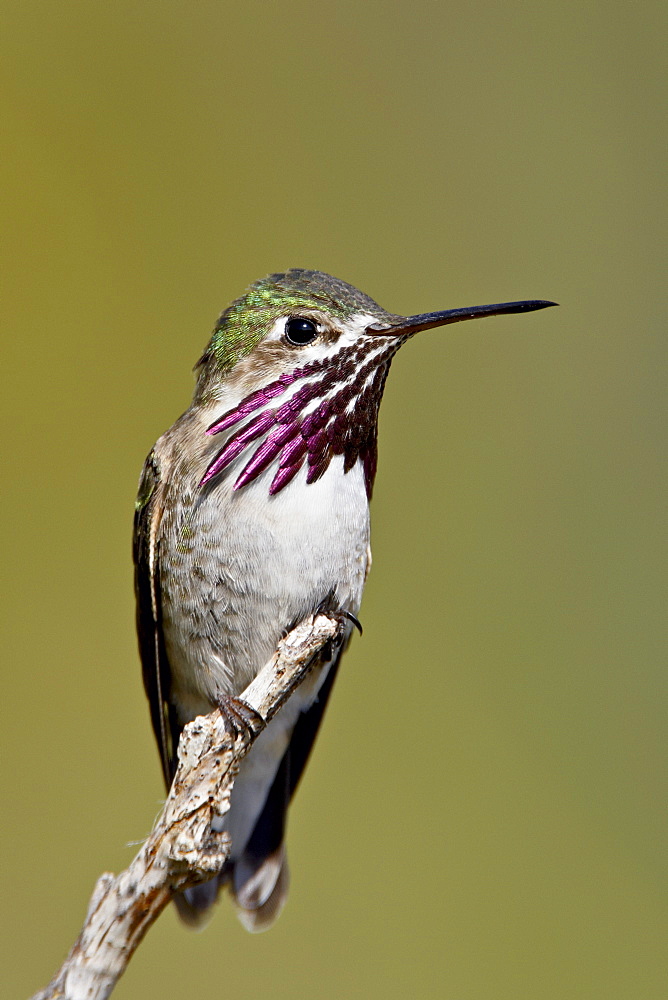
(252, 514)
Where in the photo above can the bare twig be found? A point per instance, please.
(182, 849)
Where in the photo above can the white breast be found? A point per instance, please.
(240, 568)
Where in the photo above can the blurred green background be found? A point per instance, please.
(485, 813)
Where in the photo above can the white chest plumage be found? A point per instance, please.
(240, 568)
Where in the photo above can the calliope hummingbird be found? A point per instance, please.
(252, 514)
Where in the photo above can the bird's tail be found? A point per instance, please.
(259, 891)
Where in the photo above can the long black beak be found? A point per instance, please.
(427, 321)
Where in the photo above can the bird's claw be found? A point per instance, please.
(338, 614)
(351, 618)
(241, 719)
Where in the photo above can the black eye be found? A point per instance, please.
(300, 331)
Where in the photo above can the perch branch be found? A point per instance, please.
(182, 849)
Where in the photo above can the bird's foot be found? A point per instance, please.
(240, 718)
(338, 614)
(342, 618)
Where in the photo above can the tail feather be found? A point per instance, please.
(258, 890)
(195, 905)
(261, 896)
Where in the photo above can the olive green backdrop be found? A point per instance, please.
(485, 813)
